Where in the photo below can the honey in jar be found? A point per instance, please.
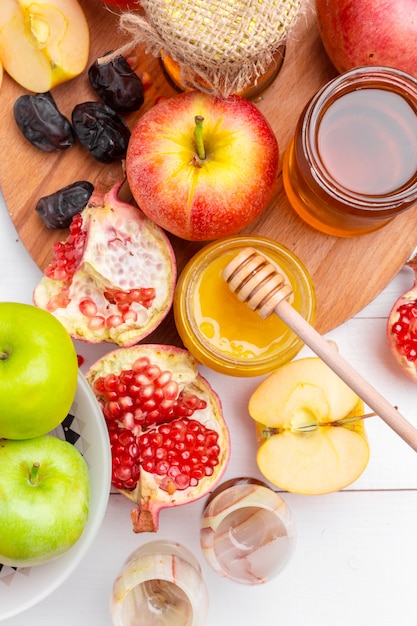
(222, 332)
(352, 164)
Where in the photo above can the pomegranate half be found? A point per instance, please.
(402, 327)
(169, 441)
(113, 278)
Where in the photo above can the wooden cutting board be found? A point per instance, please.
(347, 273)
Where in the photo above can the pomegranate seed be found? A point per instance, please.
(88, 307)
(113, 321)
(141, 364)
(96, 323)
(130, 316)
(66, 255)
(176, 447)
(181, 466)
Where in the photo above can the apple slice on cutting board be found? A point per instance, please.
(309, 440)
(43, 43)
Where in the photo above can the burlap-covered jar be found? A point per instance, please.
(219, 46)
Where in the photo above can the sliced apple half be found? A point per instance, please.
(309, 440)
(43, 43)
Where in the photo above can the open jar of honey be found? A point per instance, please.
(352, 164)
(222, 332)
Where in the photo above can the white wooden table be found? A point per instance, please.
(356, 555)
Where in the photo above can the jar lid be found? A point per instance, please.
(222, 44)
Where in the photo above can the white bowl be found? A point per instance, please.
(21, 588)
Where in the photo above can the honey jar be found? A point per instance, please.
(352, 164)
(222, 332)
(251, 91)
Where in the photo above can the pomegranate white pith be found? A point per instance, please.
(170, 444)
(113, 278)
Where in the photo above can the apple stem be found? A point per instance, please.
(33, 477)
(306, 428)
(347, 420)
(3, 356)
(198, 135)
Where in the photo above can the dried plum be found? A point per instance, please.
(38, 118)
(101, 130)
(117, 84)
(58, 209)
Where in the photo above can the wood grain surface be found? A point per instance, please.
(347, 273)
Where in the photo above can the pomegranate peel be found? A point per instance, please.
(169, 440)
(113, 278)
(402, 327)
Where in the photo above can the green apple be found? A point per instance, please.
(45, 498)
(38, 371)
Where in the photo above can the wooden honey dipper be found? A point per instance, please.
(258, 283)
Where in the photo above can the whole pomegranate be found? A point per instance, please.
(169, 441)
(402, 327)
(113, 278)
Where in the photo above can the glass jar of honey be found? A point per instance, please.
(352, 164)
(252, 91)
(220, 330)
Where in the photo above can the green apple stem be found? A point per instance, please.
(33, 477)
(198, 136)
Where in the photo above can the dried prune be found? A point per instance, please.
(117, 84)
(58, 209)
(40, 121)
(101, 130)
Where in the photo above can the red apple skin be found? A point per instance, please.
(369, 32)
(234, 183)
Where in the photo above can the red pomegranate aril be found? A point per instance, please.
(110, 383)
(140, 364)
(88, 307)
(112, 410)
(130, 316)
(113, 321)
(162, 467)
(152, 372)
(180, 463)
(96, 323)
(148, 465)
(172, 453)
(402, 327)
(182, 481)
(125, 458)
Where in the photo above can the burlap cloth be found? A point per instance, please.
(221, 46)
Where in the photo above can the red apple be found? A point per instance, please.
(202, 167)
(365, 32)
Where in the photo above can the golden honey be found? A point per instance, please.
(222, 332)
(352, 164)
(254, 90)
